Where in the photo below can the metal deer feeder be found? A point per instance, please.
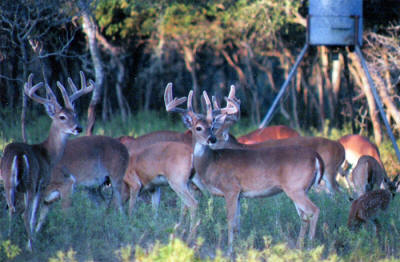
(334, 23)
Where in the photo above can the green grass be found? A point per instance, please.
(89, 231)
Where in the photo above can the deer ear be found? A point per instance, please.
(187, 121)
(50, 109)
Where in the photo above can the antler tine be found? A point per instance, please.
(232, 92)
(209, 115)
(215, 103)
(172, 103)
(30, 91)
(233, 106)
(84, 88)
(67, 102)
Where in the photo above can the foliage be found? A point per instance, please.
(8, 251)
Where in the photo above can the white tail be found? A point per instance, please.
(26, 168)
(236, 173)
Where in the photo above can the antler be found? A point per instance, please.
(172, 103)
(68, 100)
(232, 108)
(30, 91)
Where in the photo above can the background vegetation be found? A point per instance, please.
(132, 49)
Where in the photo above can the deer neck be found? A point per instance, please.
(202, 156)
(55, 145)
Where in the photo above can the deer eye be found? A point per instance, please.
(62, 117)
(199, 128)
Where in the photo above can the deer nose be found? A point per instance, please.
(212, 139)
(78, 129)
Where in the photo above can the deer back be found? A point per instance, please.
(357, 146)
(268, 133)
(91, 158)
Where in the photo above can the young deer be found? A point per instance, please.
(268, 133)
(26, 168)
(367, 207)
(91, 162)
(173, 166)
(236, 173)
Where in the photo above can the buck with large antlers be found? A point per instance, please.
(236, 173)
(26, 168)
(331, 152)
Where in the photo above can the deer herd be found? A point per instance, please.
(262, 163)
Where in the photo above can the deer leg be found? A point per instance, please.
(42, 217)
(29, 216)
(116, 196)
(232, 201)
(155, 199)
(308, 213)
(188, 200)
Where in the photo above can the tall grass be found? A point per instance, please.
(90, 231)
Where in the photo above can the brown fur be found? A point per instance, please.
(268, 133)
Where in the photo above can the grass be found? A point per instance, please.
(89, 231)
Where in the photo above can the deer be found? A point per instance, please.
(88, 162)
(367, 175)
(26, 168)
(268, 133)
(355, 147)
(331, 152)
(368, 206)
(173, 166)
(237, 173)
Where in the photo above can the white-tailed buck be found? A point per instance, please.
(236, 173)
(268, 133)
(368, 206)
(26, 168)
(88, 162)
(331, 152)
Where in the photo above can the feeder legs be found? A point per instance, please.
(378, 101)
(268, 116)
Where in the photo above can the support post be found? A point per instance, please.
(268, 116)
(378, 101)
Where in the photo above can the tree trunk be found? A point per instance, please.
(89, 28)
(191, 67)
(327, 83)
(114, 53)
(255, 105)
(373, 113)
